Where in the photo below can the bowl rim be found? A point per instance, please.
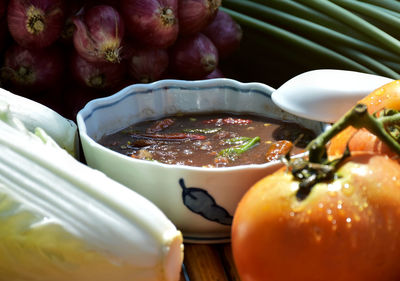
(87, 111)
(124, 93)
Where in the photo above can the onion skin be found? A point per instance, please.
(101, 76)
(99, 34)
(217, 73)
(195, 15)
(33, 70)
(35, 23)
(193, 57)
(225, 33)
(152, 22)
(148, 64)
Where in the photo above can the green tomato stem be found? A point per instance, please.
(357, 117)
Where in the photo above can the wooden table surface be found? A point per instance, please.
(208, 262)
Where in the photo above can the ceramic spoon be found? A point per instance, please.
(325, 94)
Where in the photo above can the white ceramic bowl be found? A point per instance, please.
(200, 201)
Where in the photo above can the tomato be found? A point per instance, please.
(347, 229)
(387, 96)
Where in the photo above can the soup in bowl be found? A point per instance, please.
(192, 147)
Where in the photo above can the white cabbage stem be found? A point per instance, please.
(62, 220)
(33, 114)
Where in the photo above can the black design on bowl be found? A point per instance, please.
(201, 202)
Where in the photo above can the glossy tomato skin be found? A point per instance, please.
(387, 96)
(345, 230)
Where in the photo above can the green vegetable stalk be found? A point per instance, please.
(353, 35)
(239, 149)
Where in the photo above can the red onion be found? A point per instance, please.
(99, 34)
(193, 57)
(194, 15)
(217, 73)
(148, 64)
(35, 23)
(33, 70)
(152, 22)
(225, 33)
(101, 76)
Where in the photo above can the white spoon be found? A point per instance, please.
(325, 94)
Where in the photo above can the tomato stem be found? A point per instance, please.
(319, 168)
(358, 117)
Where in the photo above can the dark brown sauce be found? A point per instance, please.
(210, 140)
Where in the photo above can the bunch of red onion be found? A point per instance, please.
(182, 27)
(110, 43)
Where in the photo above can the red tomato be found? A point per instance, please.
(347, 229)
(387, 96)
